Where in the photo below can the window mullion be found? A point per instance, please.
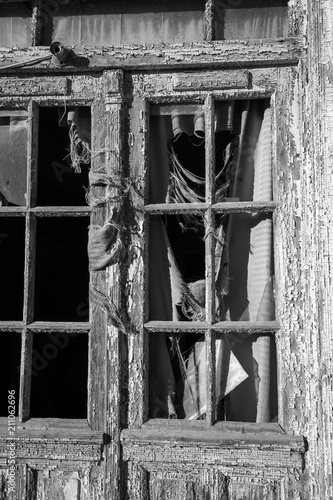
(209, 28)
(210, 148)
(30, 221)
(28, 316)
(29, 265)
(210, 258)
(29, 272)
(32, 156)
(25, 375)
(210, 316)
(36, 23)
(211, 377)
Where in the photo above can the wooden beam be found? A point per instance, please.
(135, 57)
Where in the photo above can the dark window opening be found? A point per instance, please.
(10, 346)
(44, 261)
(62, 277)
(59, 375)
(58, 181)
(12, 234)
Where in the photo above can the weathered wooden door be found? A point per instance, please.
(192, 429)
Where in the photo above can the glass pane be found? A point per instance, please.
(12, 230)
(15, 24)
(13, 158)
(59, 375)
(63, 156)
(243, 161)
(244, 268)
(123, 22)
(246, 378)
(253, 19)
(62, 276)
(10, 346)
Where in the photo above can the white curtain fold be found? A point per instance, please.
(15, 24)
(250, 241)
(127, 22)
(256, 20)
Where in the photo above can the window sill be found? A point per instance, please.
(225, 445)
(52, 439)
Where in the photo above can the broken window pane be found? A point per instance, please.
(243, 163)
(63, 156)
(13, 160)
(246, 378)
(12, 231)
(173, 376)
(244, 268)
(177, 141)
(10, 346)
(123, 22)
(15, 24)
(62, 276)
(60, 369)
(176, 264)
(239, 246)
(254, 19)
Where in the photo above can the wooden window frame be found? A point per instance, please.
(88, 434)
(31, 213)
(147, 438)
(205, 98)
(208, 211)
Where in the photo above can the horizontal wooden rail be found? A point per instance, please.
(248, 327)
(200, 208)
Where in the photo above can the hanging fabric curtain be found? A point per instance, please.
(124, 22)
(250, 242)
(15, 24)
(255, 19)
(244, 268)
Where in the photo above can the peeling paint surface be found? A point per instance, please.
(121, 455)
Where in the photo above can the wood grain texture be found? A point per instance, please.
(252, 462)
(203, 54)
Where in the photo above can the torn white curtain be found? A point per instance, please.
(251, 267)
(250, 294)
(119, 22)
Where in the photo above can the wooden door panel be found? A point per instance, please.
(197, 484)
(253, 490)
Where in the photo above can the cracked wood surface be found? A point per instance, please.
(303, 107)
